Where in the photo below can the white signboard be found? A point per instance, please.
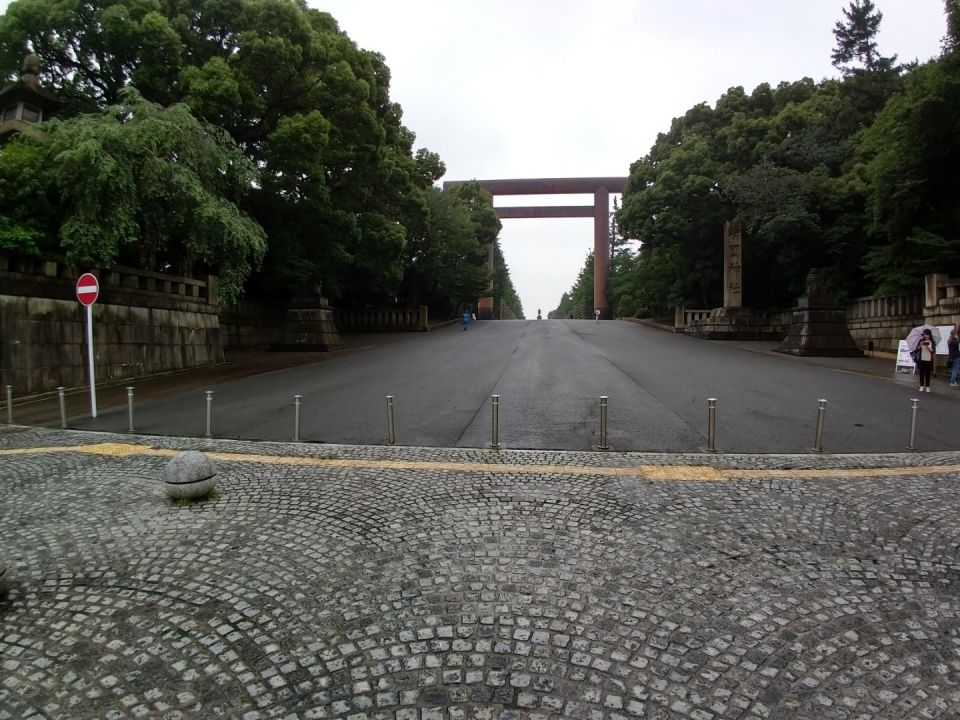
(944, 336)
(905, 363)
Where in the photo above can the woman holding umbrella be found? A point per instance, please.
(925, 353)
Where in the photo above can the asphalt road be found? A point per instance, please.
(549, 375)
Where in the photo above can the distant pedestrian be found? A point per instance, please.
(466, 319)
(953, 356)
(925, 352)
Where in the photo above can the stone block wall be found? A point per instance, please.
(251, 324)
(143, 323)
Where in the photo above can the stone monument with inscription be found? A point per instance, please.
(819, 325)
(309, 324)
(733, 321)
(733, 265)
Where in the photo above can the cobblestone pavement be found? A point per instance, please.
(425, 584)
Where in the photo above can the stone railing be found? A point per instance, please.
(879, 323)
(23, 275)
(405, 320)
(683, 318)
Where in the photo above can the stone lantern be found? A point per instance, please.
(24, 102)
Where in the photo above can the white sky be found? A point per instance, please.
(567, 88)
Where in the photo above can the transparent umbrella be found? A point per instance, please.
(913, 337)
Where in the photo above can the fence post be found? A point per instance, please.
(603, 423)
(821, 411)
(391, 428)
(712, 424)
(913, 424)
(61, 395)
(209, 433)
(296, 417)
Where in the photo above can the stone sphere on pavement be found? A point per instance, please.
(190, 475)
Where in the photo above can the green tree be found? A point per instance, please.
(140, 184)
(951, 40)
(641, 282)
(444, 262)
(340, 190)
(309, 109)
(579, 300)
(29, 214)
(870, 77)
(504, 293)
(910, 157)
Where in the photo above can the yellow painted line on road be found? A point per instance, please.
(676, 473)
(815, 473)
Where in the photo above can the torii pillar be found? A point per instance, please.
(599, 187)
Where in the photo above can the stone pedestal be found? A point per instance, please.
(309, 325)
(819, 325)
(733, 323)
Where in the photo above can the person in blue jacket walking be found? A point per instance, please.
(953, 356)
(466, 319)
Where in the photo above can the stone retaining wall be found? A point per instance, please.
(251, 324)
(143, 323)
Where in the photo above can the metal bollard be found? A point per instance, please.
(61, 393)
(129, 408)
(603, 423)
(821, 411)
(495, 422)
(711, 424)
(296, 417)
(391, 428)
(913, 424)
(209, 433)
(9, 404)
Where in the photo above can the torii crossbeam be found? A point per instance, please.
(599, 187)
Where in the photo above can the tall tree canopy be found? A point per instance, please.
(854, 176)
(136, 184)
(339, 190)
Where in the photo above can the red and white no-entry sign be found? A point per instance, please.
(87, 289)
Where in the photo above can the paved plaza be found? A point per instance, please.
(363, 582)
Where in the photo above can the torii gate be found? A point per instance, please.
(599, 187)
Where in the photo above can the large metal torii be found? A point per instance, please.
(599, 187)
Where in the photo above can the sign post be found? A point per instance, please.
(87, 291)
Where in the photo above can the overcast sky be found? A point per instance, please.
(567, 88)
